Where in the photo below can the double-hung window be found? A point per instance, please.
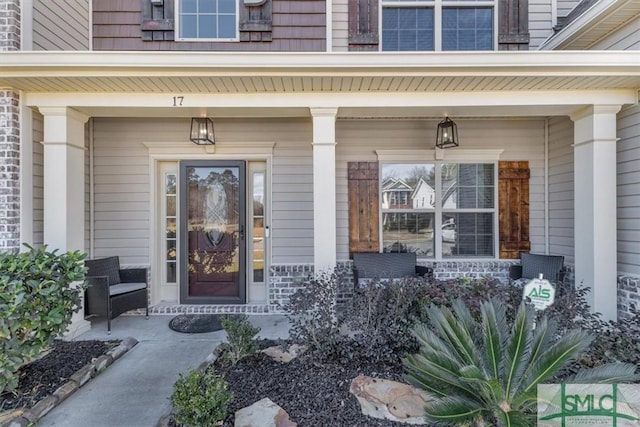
(427, 25)
(207, 20)
(450, 211)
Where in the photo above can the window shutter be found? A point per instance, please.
(364, 207)
(157, 20)
(513, 186)
(363, 25)
(513, 25)
(256, 22)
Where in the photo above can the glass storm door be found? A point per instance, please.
(212, 238)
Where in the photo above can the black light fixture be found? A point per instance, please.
(447, 136)
(202, 131)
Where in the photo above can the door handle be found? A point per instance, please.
(241, 232)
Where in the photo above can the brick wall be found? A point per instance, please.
(9, 25)
(9, 170)
(628, 295)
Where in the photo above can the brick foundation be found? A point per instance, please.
(9, 170)
(628, 295)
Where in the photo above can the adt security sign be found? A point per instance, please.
(540, 292)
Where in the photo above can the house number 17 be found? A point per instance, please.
(177, 101)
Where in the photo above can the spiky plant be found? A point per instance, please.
(484, 372)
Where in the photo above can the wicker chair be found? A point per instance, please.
(387, 266)
(112, 291)
(532, 265)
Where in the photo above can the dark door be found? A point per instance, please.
(212, 207)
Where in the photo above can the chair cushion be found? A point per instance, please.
(385, 265)
(124, 288)
(109, 267)
(535, 264)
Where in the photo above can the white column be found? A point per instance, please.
(324, 188)
(595, 206)
(64, 188)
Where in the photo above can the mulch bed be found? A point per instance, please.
(43, 376)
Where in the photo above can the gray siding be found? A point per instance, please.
(61, 25)
(540, 22)
(561, 196)
(566, 6)
(357, 140)
(87, 190)
(122, 187)
(628, 148)
(38, 179)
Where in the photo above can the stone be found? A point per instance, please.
(276, 352)
(102, 362)
(65, 390)
(83, 375)
(41, 409)
(263, 413)
(391, 400)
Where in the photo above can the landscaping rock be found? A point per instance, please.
(276, 352)
(263, 413)
(391, 400)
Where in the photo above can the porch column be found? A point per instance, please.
(324, 188)
(64, 188)
(594, 159)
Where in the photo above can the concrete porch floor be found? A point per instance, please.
(135, 390)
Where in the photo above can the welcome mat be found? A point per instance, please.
(195, 323)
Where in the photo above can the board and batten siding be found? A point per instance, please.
(627, 37)
(122, 188)
(357, 140)
(540, 22)
(61, 25)
(628, 221)
(38, 179)
(561, 190)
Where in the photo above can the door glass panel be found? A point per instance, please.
(170, 180)
(258, 226)
(213, 230)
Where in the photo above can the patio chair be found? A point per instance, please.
(532, 265)
(387, 266)
(112, 291)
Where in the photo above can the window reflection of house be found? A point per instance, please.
(423, 196)
(396, 194)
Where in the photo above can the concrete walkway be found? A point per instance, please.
(135, 390)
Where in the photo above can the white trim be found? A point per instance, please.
(328, 12)
(92, 194)
(546, 188)
(26, 25)
(177, 5)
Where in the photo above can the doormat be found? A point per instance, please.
(195, 323)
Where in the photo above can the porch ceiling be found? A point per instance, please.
(243, 73)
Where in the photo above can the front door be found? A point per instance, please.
(212, 224)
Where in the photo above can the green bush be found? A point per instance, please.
(240, 336)
(200, 398)
(486, 372)
(36, 304)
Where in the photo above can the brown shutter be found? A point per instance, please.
(157, 20)
(513, 186)
(364, 207)
(513, 25)
(363, 25)
(256, 22)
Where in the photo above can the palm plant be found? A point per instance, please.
(483, 372)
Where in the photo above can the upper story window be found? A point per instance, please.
(427, 25)
(204, 20)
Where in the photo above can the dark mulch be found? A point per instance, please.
(42, 377)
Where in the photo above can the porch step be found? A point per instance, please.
(167, 308)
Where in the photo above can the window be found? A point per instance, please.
(451, 211)
(427, 25)
(208, 20)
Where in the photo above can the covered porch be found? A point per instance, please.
(114, 129)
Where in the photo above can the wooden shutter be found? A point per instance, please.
(256, 22)
(513, 25)
(364, 207)
(157, 20)
(513, 187)
(363, 25)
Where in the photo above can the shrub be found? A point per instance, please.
(36, 304)
(200, 398)
(311, 311)
(240, 336)
(486, 372)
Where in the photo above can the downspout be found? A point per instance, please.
(329, 24)
(92, 210)
(546, 186)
